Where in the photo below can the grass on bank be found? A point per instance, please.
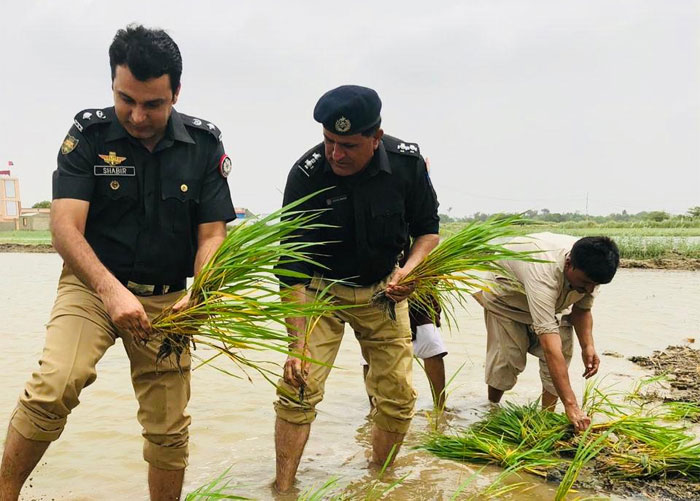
(630, 439)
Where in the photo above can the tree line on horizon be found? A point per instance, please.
(546, 216)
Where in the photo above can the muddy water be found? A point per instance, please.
(99, 455)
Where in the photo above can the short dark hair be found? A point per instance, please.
(149, 53)
(372, 130)
(597, 257)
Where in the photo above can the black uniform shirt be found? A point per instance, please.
(144, 207)
(373, 212)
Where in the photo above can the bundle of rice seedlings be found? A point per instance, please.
(456, 267)
(631, 441)
(236, 302)
(510, 436)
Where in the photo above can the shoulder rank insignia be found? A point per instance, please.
(89, 117)
(394, 145)
(407, 148)
(201, 124)
(309, 163)
(69, 144)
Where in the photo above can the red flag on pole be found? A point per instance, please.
(10, 163)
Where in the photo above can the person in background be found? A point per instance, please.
(538, 313)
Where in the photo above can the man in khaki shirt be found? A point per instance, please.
(536, 314)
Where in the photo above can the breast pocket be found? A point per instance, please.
(180, 201)
(388, 223)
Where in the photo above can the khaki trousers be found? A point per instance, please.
(78, 334)
(385, 344)
(507, 344)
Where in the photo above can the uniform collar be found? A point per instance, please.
(380, 161)
(179, 131)
(175, 130)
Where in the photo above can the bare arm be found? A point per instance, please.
(209, 238)
(551, 345)
(419, 250)
(68, 217)
(582, 320)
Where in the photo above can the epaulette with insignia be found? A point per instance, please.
(310, 160)
(394, 145)
(201, 124)
(92, 116)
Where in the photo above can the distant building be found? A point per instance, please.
(241, 213)
(10, 205)
(34, 219)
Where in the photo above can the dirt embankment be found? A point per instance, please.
(31, 248)
(675, 263)
(672, 263)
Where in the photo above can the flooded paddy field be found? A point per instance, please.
(99, 455)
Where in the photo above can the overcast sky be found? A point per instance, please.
(518, 104)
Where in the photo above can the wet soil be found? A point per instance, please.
(593, 478)
(682, 365)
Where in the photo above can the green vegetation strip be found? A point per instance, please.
(630, 440)
(25, 237)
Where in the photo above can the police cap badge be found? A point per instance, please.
(348, 109)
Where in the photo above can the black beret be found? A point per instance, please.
(348, 109)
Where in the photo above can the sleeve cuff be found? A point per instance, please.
(80, 188)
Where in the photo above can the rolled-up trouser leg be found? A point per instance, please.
(163, 391)
(324, 343)
(78, 334)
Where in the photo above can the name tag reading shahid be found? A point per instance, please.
(110, 170)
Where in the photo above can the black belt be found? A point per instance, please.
(145, 290)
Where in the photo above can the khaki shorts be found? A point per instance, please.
(384, 343)
(77, 336)
(507, 345)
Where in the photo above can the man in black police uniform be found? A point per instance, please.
(380, 195)
(140, 203)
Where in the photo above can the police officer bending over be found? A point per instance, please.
(380, 196)
(140, 203)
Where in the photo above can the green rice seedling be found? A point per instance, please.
(236, 302)
(678, 411)
(629, 439)
(455, 268)
(439, 410)
(588, 448)
(219, 488)
(323, 492)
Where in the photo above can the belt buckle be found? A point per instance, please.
(140, 289)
